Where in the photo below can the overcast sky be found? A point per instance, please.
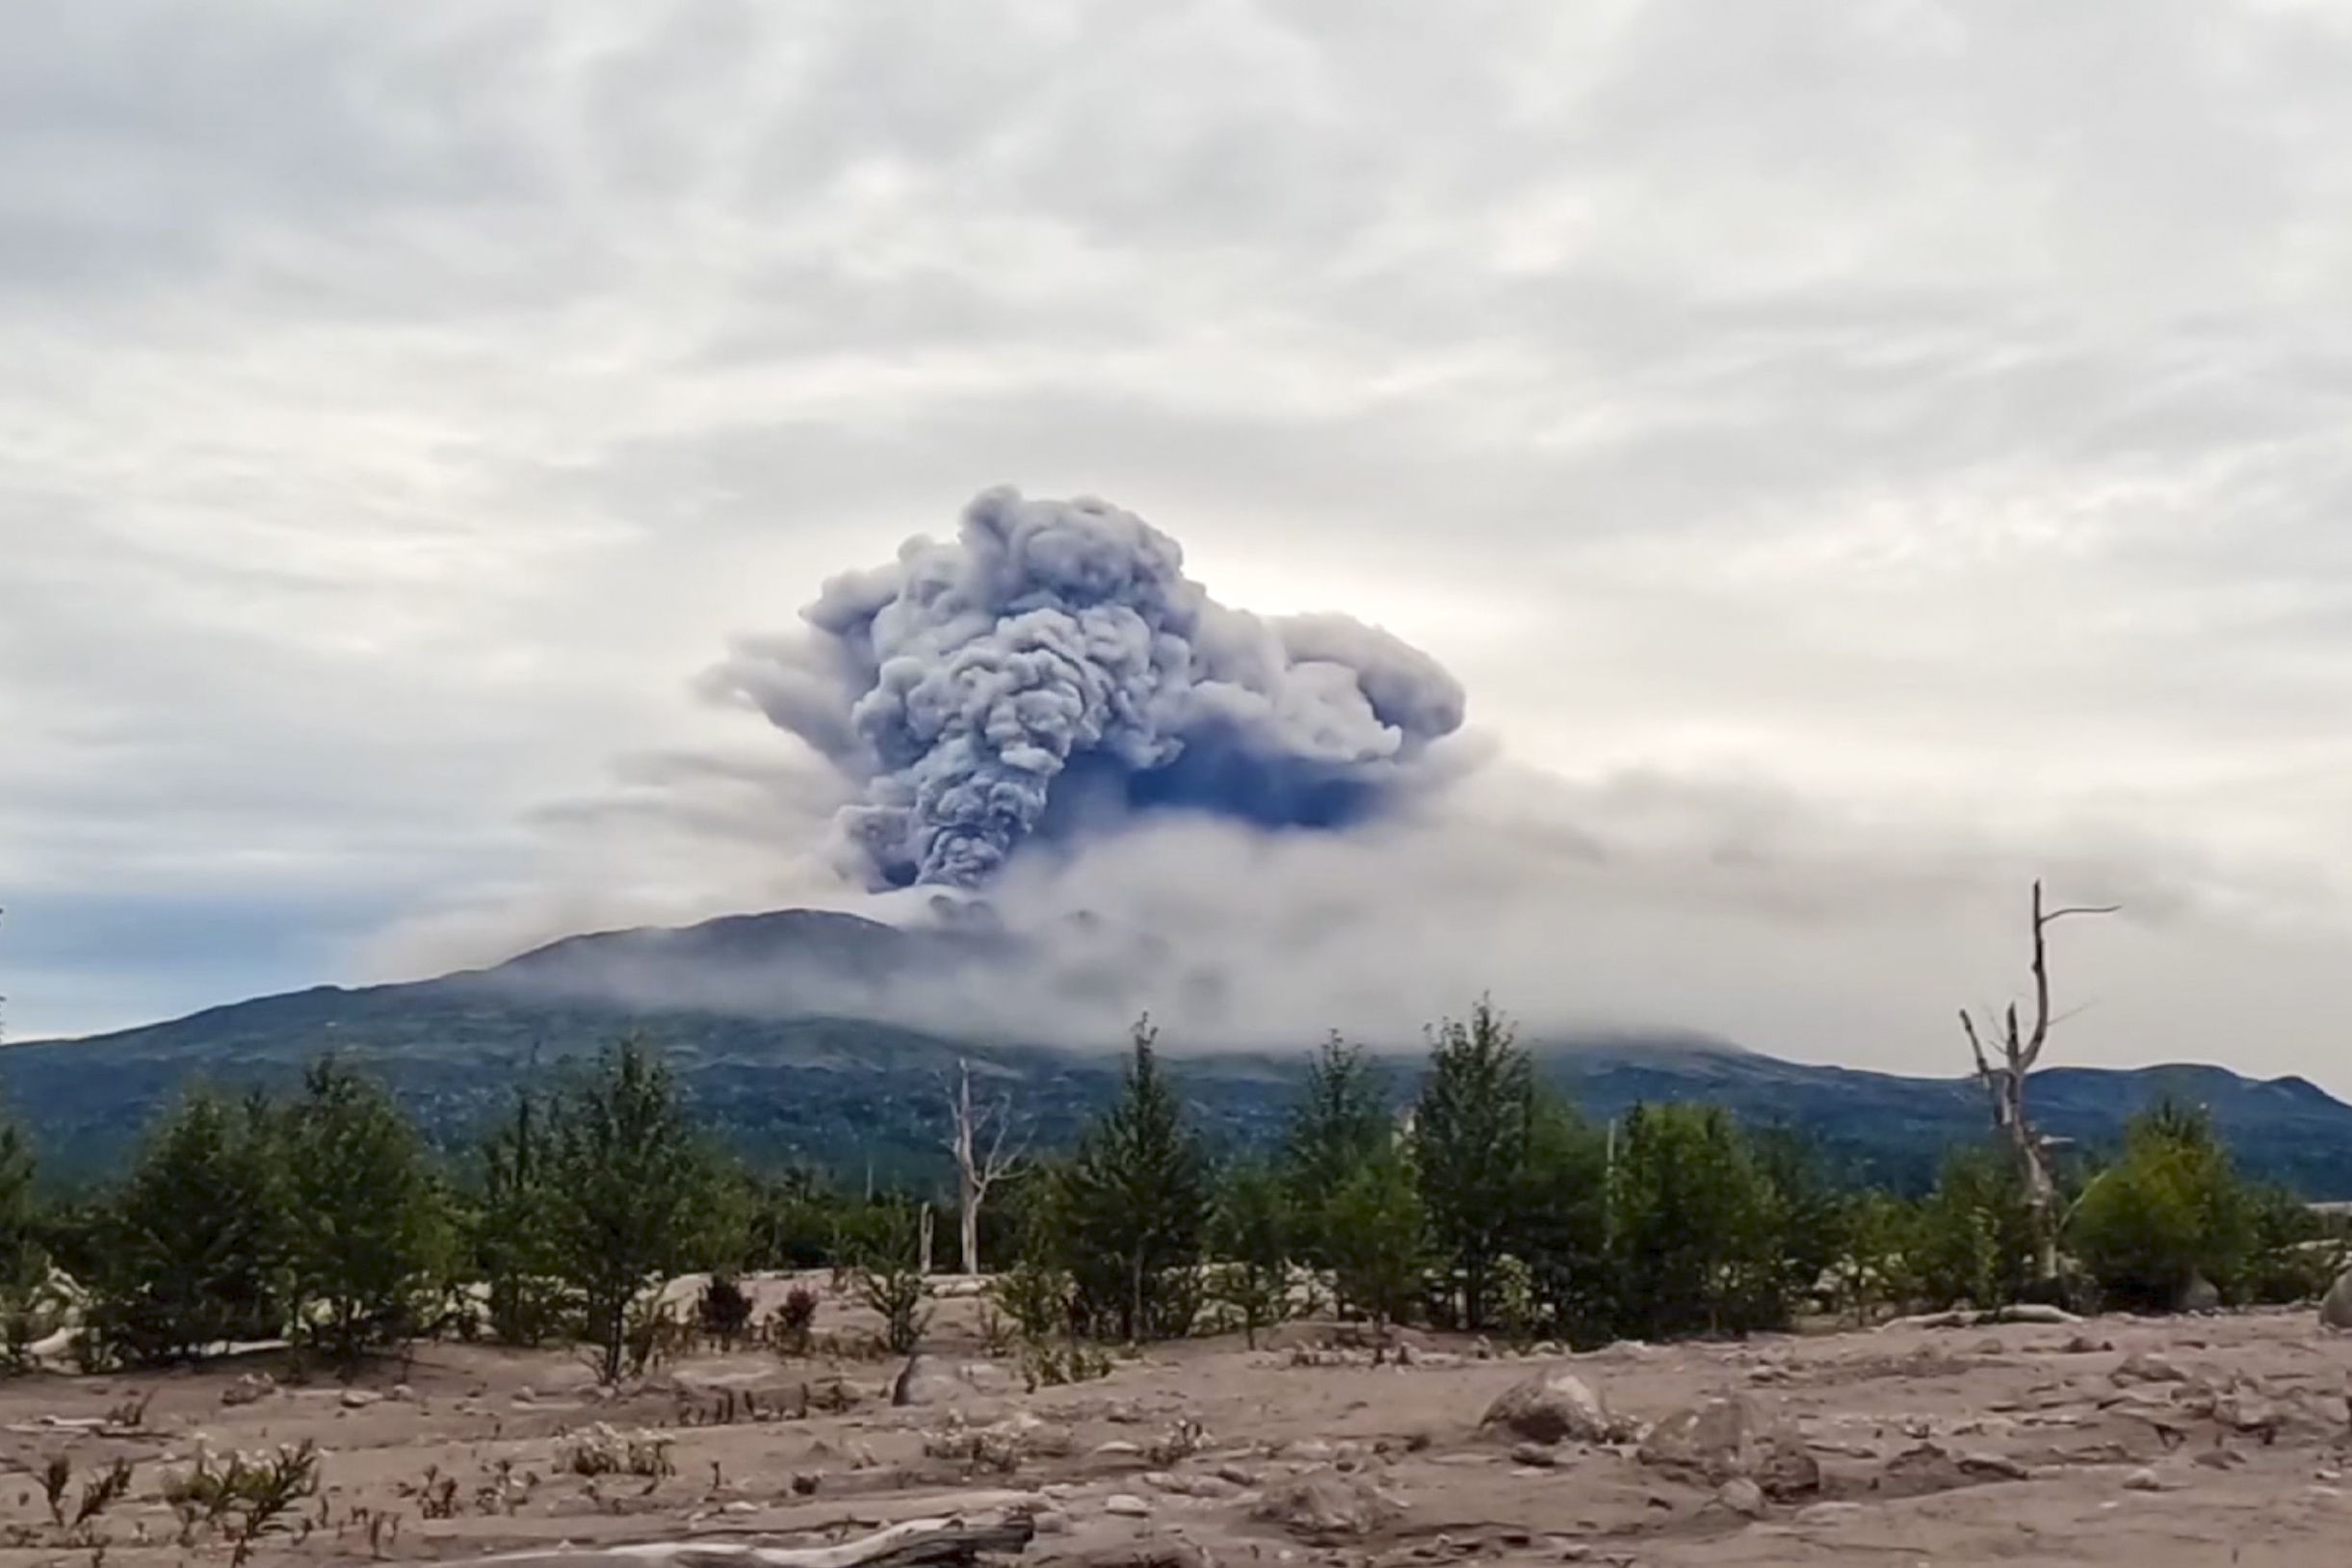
(1856, 455)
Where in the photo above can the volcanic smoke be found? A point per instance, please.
(1051, 670)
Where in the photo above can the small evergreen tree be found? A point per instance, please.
(195, 1242)
(1341, 1120)
(1556, 1226)
(626, 1180)
(1133, 1206)
(1471, 1126)
(1249, 1234)
(369, 1228)
(1693, 1230)
(1376, 1229)
(513, 1231)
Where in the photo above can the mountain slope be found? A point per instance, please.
(762, 1017)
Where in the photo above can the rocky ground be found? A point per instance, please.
(2219, 1440)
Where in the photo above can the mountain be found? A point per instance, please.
(768, 1019)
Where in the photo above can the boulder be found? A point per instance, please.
(926, 1381)
(2200, 1295)
(1727, 1436)
(1553, 1407)
(2336, 1309)
(1327, 1509)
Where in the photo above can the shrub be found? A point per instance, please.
(2170, 1210)
(724, 1309)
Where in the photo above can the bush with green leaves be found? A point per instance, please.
(1972, 1238)
(1340, 1119)
(2172, 1210)
(880, 1250)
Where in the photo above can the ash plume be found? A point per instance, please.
(1051, 670)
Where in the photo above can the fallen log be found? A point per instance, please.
(916, 1543)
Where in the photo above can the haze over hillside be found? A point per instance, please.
(765, 1016)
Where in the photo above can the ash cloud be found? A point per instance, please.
(1050, 673)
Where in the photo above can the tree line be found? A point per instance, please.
(1491, 1204)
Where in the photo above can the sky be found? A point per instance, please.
(1856, 458)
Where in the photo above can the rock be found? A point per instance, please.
(1118, 1447)
(1554, 1407)
(924, 1381)
(246, 1390)
(1327, 1509)
(2219, 1458)
(1992, 1466)
(1127, 1505)
(1819, 1514)
(2143, 1480)
(1050, 1521)
(359, 1399)
(2141, 1366)
(2336, 1309)
(1536, 1456)
(2082, 1345)
(1730, 1435)
(404, 1394)
(1743, 1496)
(2200, 1295)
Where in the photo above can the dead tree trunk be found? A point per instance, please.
(978, 1168)
(2015, 1052)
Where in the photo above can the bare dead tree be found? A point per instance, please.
(979, 1140)
(2002, 1071)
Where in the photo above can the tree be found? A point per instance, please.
(1973, 1236)
(1132, 1203)
(1375, 1230)
(1341, 1120)
(627, 1179)
(1557, 1218)
(1250, 1236)
(194, 1240)
(976, 1141)
(368, 1226)
(2005, 1082)
(1694, 1233)
(2170, 1211)
(513, 1231)
(1470, 1128)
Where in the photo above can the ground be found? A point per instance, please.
(2216, 1440)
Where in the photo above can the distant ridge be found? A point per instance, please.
(767, 1018)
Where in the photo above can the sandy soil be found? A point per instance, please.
(2199, 1441)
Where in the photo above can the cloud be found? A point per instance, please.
(1839, 399)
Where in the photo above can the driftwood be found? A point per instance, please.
(2025, 1312)
(916, 1543)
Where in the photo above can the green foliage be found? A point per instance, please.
(1972, 1238)
(1375, 1231)
(881, 1250)
(2171, 1210)
(1250, 1236)
(626, 1180)
(1131, 1207)
(1339, 1120)
(369, 1231)
(1695, 1234)
(1471, 1126)
(195, 1243)
(513, 1233)
(1557, 1228)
